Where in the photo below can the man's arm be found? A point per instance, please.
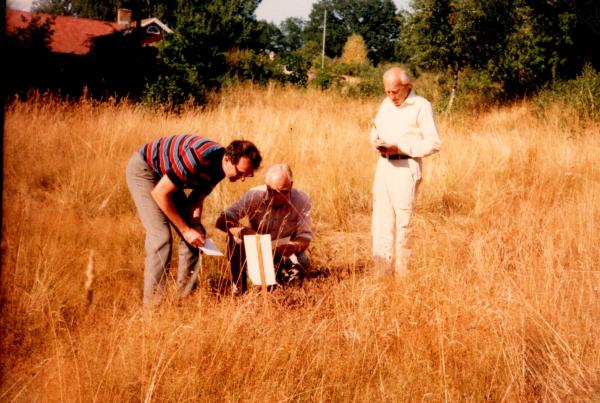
(296, 246)
(430, 143)
(196, 204)
(303, 232)
(376, 141)
(381, 146)
(229, 220)
(387, 149)
(224, 224)
(161, 194)
(232, 226)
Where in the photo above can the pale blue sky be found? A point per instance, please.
(271, 10)
(278, 10)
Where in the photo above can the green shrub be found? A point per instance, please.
(247, 65)
(581, 94)
(323, 80)
(293, 69)
(357, 80)
(170, 93)
(351, 69)
(475, 90)
(366, 89)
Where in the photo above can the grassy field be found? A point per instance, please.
(502, 303)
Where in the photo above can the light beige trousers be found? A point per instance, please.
(394, 192)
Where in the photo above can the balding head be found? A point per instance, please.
(397, 75)
(279, 177)
(397, 84)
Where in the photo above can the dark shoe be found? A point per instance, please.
(294, 275)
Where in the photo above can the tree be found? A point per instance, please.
(292, 30)
(375, 20)
(586, 35)
(536, 46)
(106, 10)
(426, 35)
(355, 50)
(128, 77)
(100, 10)
(193, 58)
(268, 38)
(518, 43)
(53, 7)
(28, 50)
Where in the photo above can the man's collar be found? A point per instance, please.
(409, 100)
(265, 195)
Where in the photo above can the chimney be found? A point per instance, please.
(124, 16)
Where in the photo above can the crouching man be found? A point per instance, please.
(275, 208)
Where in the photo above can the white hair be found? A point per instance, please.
(277, 170)
(399, 74)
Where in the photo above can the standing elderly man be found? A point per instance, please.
(157, 175)
(275, 208)
(403, 133)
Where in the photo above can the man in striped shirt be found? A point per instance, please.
(157, 175)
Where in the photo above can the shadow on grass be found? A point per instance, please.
(316, 282)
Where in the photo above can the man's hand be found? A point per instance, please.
(385, 148)
(195, 236)
(380, 145)
(286, 250)
(239, 232)
(162, 195)
(293, 247)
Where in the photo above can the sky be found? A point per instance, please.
(276, 11)
(273, 11)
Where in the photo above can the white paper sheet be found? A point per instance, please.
(251, 245)
(210, 248)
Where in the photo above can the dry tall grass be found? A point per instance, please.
(501, 304)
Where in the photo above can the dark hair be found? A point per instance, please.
(243, 148)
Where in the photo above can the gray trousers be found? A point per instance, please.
(140, 181)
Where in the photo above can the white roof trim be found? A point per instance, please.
(148, 21)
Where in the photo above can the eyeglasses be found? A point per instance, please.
(274, 192)
(240, 174)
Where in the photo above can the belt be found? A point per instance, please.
(393, 157)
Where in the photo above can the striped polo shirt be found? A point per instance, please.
(191, 162)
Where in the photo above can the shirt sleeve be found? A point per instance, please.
(240, 208)
(175, 179)
(374, 134)
(430, 141)
(304, 229)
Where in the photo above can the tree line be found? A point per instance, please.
(505, 48)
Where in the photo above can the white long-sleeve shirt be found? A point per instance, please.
(410, 126)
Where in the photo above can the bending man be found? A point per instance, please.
(156, 176)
